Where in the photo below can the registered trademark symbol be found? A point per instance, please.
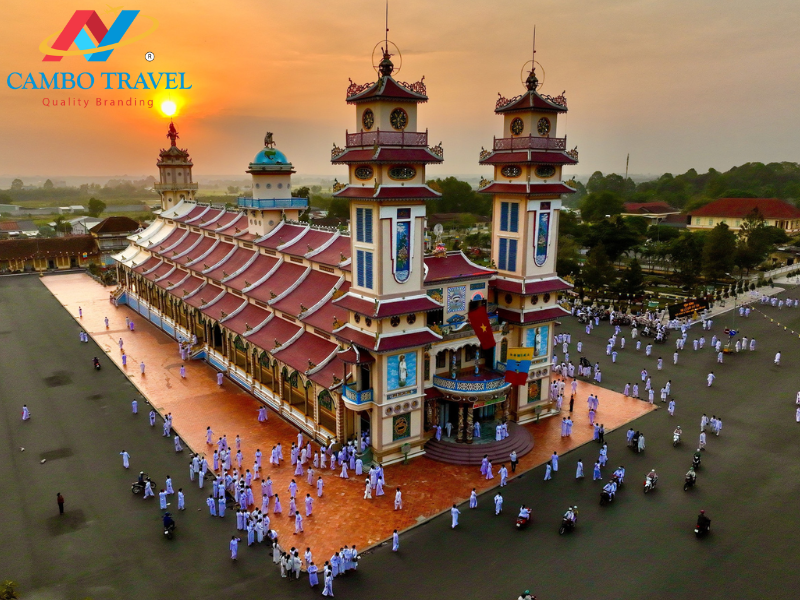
(149, 57)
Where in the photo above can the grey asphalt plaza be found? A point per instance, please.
(110, 544)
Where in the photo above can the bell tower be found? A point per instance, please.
(175, 173)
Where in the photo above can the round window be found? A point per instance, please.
(402, 172)
(363, 172)
(546, 298)
(398, 119)
(258, 185)
(357, 318)
(511, 171)
(280, 186)
(268, 185)
(508, 298)
(368, 322)
(545, 171)
(534, 300)
(517, 126)
(395, 321)
(368, 119)
(411, 319)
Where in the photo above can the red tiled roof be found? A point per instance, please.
(387, 155)
(188, 286)
(72, 245)
(197, 252)
(240, 223)
(310, 291)
(533, 157)
(648, 208)
(161, 271)
(385, 192)
(277, 283)
(332, 254)
(739, 208)
(353, 357)
(531, 100)
(150, 263)
(187, 241)
(192, 214)
(207, 217)
(386, 88)
(276, 329)
(522, 188)
(262, 265)
(227, 304)
(387, 343)
(282, 236)
(308, 347)
(530, 288)
(386, 308)
(172, 239)
(205, 295)
(322, 318)
(115, 225)
(251, 315)
(233, 264)
(537, 316)
(217, 254)
(313, 237)
(173, 279)
(453, 266)
(326, 374)
(225, 220)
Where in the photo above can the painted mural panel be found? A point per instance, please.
(401, 427)
(536, 338)
(401, 370)
(457, 298)
(402, 264)
(542, 235)
(437, 294)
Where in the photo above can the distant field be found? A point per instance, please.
(148, 199)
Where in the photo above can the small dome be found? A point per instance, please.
(270, 156)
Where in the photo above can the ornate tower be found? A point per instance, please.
(386, 160)
(175, 173)
(527, 189)
(272, 190)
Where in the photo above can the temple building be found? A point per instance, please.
(362, 335)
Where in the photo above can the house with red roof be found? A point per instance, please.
(734, 211)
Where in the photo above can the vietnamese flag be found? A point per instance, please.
(479, 320)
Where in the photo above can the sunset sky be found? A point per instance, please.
(677, 83)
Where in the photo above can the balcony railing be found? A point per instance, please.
(356, 397)
(468, 383)
(174, 187)
(272, 202)
(387, 138)
(530, 142)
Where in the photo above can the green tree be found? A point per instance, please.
(615, 235)
(95, 207)
(568, 261)
(459, 197)
(687, 256)
(233, 190)
(316, 189)
(16, 184)
(597, 270)
(633, 279)
(597, 205)
(719, 252)
(340, 208)
(48, 185)
(301, 192)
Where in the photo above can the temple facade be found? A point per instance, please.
(362, 335)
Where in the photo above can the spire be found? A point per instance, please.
(386, 65)
(172, 133)
(532, 82)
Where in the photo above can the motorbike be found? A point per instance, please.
(696, 462)
(137, 487)
(97, 365)
(605, 498)
(700, 529)
(169, 531)
(650, 483)
(676, 439)
(689, 482)
(566, 526)
(522, 522)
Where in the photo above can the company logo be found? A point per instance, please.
(108, 39)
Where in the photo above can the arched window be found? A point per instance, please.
(327, 411)
(240, 349)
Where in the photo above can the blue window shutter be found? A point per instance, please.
(359, 224)
(360, 267)
(504, 216)
(513, 224)
(512, 255)
(368, 269)
(501, 259)
(367, 225)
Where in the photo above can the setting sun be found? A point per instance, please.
(168, 107)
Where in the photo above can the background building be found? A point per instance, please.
(733, 212)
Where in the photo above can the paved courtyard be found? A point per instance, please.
(109, 543)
